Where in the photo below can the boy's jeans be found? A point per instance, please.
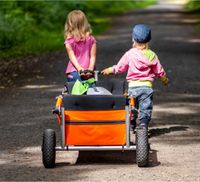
(144, 102)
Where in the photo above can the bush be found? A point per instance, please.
(193, 6)
(14, 23)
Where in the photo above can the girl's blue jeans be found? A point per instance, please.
(73, 77)
(143, 96)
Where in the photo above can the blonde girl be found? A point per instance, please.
(80, 45)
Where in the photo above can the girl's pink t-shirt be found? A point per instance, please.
(81, 50)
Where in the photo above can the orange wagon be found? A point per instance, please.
(95, 122)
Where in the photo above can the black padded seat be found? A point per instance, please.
(94, 102)
(115, 86)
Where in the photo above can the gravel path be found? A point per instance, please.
(25, 111)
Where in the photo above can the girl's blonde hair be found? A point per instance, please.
(77, 25)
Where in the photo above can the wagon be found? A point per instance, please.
(96, 123)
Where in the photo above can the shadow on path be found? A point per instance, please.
(161, 131)
(114, 158)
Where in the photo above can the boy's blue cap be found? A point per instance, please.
(141, 33)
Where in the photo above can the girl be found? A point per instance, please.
(142, 65)
(80, 45)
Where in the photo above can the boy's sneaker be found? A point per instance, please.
(143, 125)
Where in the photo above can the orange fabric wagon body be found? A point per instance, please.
(95, 126)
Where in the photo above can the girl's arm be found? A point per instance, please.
(72, 57)
(92, 57)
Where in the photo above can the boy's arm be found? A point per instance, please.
(92, 57)
(107, 71)
(159, 71)
(72, 57)
(121, 66)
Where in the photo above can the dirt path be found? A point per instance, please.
(174, 133)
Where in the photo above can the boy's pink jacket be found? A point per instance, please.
(139, 66)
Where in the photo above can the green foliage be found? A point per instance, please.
(29, 27)
(193, 6)
(13, 25)
(40, 44)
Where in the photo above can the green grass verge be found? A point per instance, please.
(39, 44)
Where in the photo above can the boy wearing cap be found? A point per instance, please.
(142, 65)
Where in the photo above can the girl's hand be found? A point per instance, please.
(91, 69)
(107, 71)
(80, 69)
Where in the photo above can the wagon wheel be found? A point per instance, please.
(48, 148)
(142, 147)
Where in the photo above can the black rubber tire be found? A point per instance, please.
(142, 147)
(48, 148)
